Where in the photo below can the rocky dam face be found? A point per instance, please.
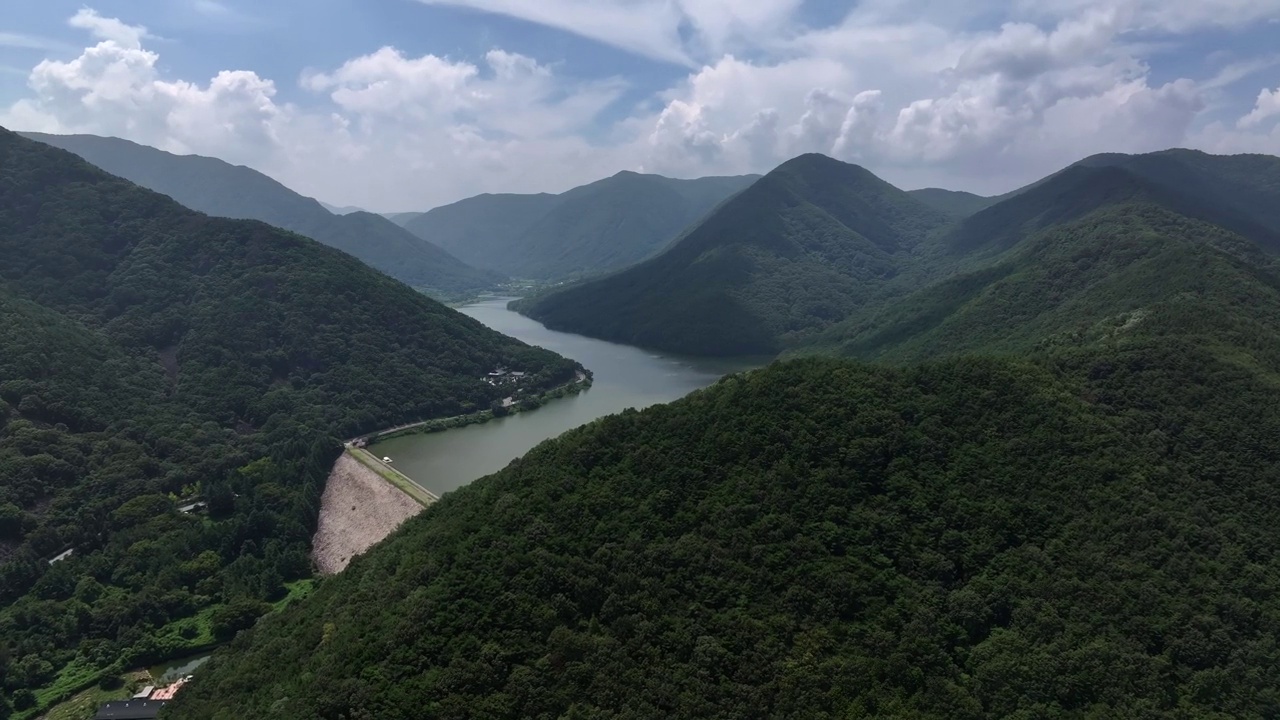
(358, 509)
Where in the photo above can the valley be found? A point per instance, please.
(640, 360)
(622, 377)
(834, 449)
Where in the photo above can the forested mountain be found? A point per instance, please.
(1159, 178)
(607, 225)
(1124, 266)
(1079, 522)
(1240, 192)
(483, 228)
(401, 218)
(798, 250)
(953, 202)
(147, 352)
(232, 191)
(772, 272)
(344, 210)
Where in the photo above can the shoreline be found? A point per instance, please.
(580, 383)
(394, 477)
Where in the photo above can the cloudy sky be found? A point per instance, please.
(407, 104)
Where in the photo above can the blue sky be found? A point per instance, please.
(406, 104)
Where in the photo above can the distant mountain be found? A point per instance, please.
(344, 210)
(774, 270)
(1239, 193)
(1056, 499)
(401, 218)
(223, 190)
(147, 352)
(604, 226)
(485, 228)
(953, 202)
(796, 251)
(1135, 262)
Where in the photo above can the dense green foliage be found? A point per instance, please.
(1090, 536)
(774, 270)
(1070, 509)
(797, 251)
(1121, 267)
(604, 226)
(1238, 192)
(148, 353)
(953, 202)
(222, 190)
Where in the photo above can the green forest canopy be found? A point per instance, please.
(818, 243)
(603, 226)
(1056, 498)
(220, 189)
(149, 352)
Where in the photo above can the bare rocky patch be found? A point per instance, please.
(358, 509)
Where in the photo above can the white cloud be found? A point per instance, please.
(1022, 51)
(31, 42)
(1176, 16)
(388, 130)
(108, 29)
(977, 95)
(670, 30)
(927, 104)
(386, 82)
(1267, 107)
(114, 88)
(211, 8)
(647, 27)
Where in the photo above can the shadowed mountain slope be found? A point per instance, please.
(795, 252)
(223, 190)
(607, 225)
(953, 202)
(150, 352)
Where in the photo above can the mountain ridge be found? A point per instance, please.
(595, 228)
(221, 189)
(953, 202)
(710, 293)
(793, 252)
(1054, 497)
(831, 538)
(150, 352)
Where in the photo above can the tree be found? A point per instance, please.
(237, 615)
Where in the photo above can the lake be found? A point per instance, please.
(624, 377)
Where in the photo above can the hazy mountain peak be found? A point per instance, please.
(603, 226)
(218, 188)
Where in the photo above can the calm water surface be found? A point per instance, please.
(625, 376)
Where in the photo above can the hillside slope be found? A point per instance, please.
(148, 351)
(482, 230)
(1159, 178)
(952, 202)
(603, 226)
(223, 190)
(1093, 245)
(1085, 532)
(795, 252)
(1066, 509)
(1118, 268)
